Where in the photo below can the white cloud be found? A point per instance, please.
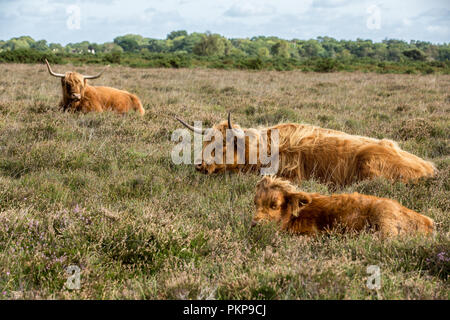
(36, 9)
(148, 14)
(245, 9)
(438, 29)
(330, 3)
(406, 21)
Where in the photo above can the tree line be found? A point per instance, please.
(183, 49)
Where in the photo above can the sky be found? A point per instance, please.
(65, 21)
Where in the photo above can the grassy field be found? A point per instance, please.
(100, 191)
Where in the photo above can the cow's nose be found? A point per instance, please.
(254, 223)
(76, 96)
(198, 167)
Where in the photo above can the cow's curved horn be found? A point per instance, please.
(59, 75)
(237, 133)
(229, 121)
(97, 75)
(192, 128)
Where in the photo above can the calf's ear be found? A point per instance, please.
(297, 201)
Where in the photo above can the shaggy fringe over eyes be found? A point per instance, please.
(272, 182)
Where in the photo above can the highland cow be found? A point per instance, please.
(78, 95)
(307, 151)
(311, 213)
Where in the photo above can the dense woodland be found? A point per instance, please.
(181, 49)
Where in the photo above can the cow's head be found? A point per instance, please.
(278, 200)
(228, 132)
(73, 83)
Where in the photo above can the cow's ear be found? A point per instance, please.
(85, 81)
(297, 201)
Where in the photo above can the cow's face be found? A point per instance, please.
(270, 205)
(277, 200)
(73, 85)
(218, 139)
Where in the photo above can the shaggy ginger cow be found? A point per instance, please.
(311, 213)
(307, 151)
(78, 95)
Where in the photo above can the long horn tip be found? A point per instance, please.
(179, 120)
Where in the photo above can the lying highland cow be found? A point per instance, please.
(311, 213)
(307, 151)
(78, 95)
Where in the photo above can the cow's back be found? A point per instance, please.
(334, 156)
(115, 99)
(325, 154)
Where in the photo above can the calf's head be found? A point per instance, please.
(278, 200)
(73, 83)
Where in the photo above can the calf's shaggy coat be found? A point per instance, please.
(307, 151)
(310, 213)
(78, 95)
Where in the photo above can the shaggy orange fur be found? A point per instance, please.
(307, 151)
(310, 213)
(78, 95)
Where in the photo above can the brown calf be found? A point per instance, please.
(310, 213)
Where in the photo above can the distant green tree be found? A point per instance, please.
(280, 49)
(344, 54)
(415, 54)
(176, 34)
(131, 42)
(40, 45)
(330, 46)
(263, 52)
(56, 47)
(395, 49)
(380, 51)
(186, 43)
(128, 45)
(111, 47)
(155, 45)
(310, 49)
(247, 46)
(24, 42)
(210, 45)
(444, 53)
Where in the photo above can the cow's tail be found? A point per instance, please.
(137, 104)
